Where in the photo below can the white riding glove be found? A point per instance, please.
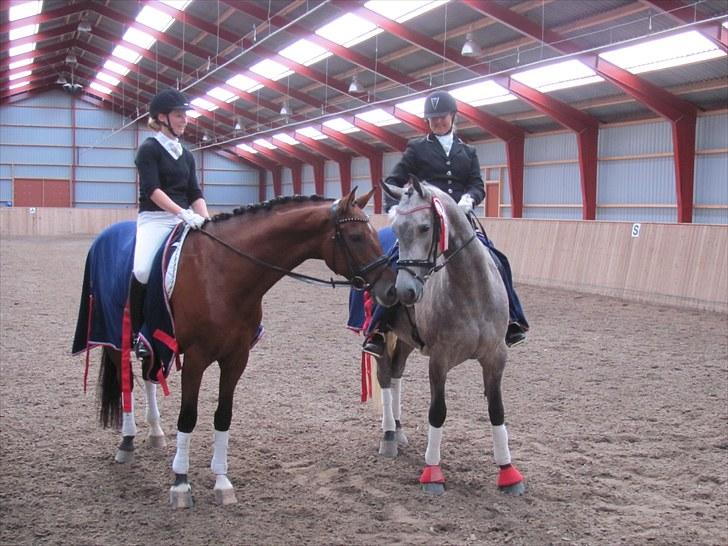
(466, 203)
(191, 218)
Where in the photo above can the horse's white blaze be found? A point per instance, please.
(181, 462)
(397, 398)
(501, 452)
(387, 415)
(128, 426)
(219, 454)
(434, 439)
(150, 390)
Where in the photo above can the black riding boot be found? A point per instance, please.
(137, 294)
(374, 344)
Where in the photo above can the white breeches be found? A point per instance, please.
(152, 229)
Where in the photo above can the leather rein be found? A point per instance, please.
(356, 278)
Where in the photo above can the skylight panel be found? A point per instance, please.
(19, 50)
(341, 125)
(19, 64)
(555, 76)
(127, 54)
(100, 88)
(247, 148)
(283, 137)
(108, 78)
(676, 50)
(204, 104)
(414, 106)
(403, 10)
(312, 132)
(478, 94)
(26, 9)
(180, 5)
(193, 114)
(263, 142)
(270, 69)
(116, 67)
(19, 84)
(244, 83)
(22, 32)
(153, 18)
(348, 30)
(18, 75)
(221, 94)
(305, 52)
(378, 117)
(139, 38)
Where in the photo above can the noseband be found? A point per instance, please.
(430, 263)
(357, 277)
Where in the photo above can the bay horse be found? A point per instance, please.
(454, 308)
(224, 271)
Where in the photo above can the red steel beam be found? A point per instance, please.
(341, 158)
(314, 160)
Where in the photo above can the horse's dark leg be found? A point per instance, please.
(510, 480)
(180, 494)
(389, 375)
(230, 372)
(432, 479)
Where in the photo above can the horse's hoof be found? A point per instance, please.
(224, 491)
(388, 448)
(225, 496)
(157, 442)
(124, 457)
(402, 440)
(436, 489)
(180, 496)
(515, 490)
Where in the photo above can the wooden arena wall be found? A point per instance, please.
(675, 264)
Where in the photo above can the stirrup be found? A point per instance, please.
(140, 349)
(374, 346)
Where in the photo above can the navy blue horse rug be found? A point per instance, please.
(103, 316)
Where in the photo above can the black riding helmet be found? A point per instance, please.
(440, 103)
(166, 101)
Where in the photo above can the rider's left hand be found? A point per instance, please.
(466, 203)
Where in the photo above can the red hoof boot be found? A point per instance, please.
(433, 480)
(510, 480)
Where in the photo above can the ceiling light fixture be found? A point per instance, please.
(355, 86)
(71, 59)
(471, 47)
(61, 80)
(238, 125)
(205, 137)
(83, 26)
(285, 108)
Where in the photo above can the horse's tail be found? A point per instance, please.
(109, 390)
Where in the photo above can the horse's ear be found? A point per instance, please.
(349, 200)
(416, 184)
(364, 199)
(395, 192)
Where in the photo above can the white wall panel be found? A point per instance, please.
(635, 139)
(712, 132)
(711, 179)
(558, 183)
(553, 147)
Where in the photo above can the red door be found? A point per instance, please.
(41, 192)
(492, 199)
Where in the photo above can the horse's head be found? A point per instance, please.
(421, 221)
(357, 253)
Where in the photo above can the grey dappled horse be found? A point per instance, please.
(455, 309)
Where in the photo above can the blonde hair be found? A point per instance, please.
(153, 124)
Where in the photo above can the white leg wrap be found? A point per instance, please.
(219, 453)
(181, 462)
(150, 389)
(387, 417)
(434, 439)
(397, 398)
(501, 452)
(128, 426)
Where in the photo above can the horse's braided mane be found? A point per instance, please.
(267, 205)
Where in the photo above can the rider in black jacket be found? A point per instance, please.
(443, 160)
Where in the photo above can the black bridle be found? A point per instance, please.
(356, 278)
(431, 261)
